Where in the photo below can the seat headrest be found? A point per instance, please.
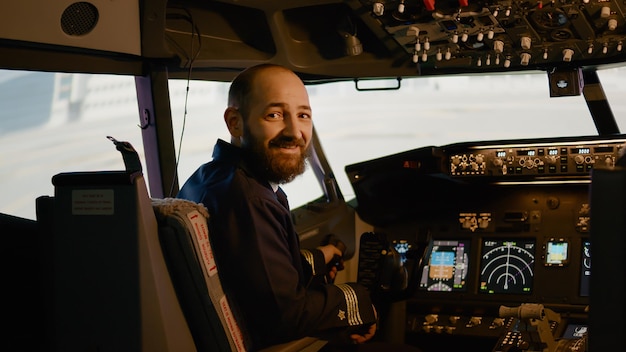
(168, 206)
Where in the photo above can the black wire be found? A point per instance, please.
(192, 57)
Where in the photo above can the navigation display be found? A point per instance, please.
(556, 252)
(585, 268)
(506, 266)
(447, 266)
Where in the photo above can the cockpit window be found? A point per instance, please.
(355, 126)
(58, 122)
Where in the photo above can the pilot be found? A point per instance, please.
(283, 292)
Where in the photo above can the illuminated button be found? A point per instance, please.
(431, 318)
(474, 321)
(608, 161)
(496, 323)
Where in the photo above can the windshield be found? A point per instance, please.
(58, 122)
(355, 126)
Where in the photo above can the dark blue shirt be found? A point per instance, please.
(278, 290)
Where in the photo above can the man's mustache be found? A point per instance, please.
(286, 142)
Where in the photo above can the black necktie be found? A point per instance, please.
(282, 198)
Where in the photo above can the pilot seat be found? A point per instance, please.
(129, 273)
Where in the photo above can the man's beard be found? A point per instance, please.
(271, 163)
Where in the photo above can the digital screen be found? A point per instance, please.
(402, 247)
(449, 25)
(447, 266)
(531, 152)
(500, 154)
(553, 152)
(581, 150)
(506, 266)
(575, 331)
(556, 252)
(585, 268)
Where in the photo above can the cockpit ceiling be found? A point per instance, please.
(329, 39)
(399, 37)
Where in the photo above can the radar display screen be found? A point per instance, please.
(447, 266)
(506, 266)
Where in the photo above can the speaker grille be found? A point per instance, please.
(79, 18)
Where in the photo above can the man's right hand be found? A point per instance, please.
(368, 334)
(357, 338)
(330, 251)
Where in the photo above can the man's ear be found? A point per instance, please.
(234, 122)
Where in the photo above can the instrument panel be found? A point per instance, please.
(572, 159)
(502, 35)
(495, 239)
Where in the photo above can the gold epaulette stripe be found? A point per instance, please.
(352, 304)
(308, 256)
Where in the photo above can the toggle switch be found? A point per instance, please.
(567, 55)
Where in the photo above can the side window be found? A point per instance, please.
(58, 122)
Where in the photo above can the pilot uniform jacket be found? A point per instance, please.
(279, 289)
